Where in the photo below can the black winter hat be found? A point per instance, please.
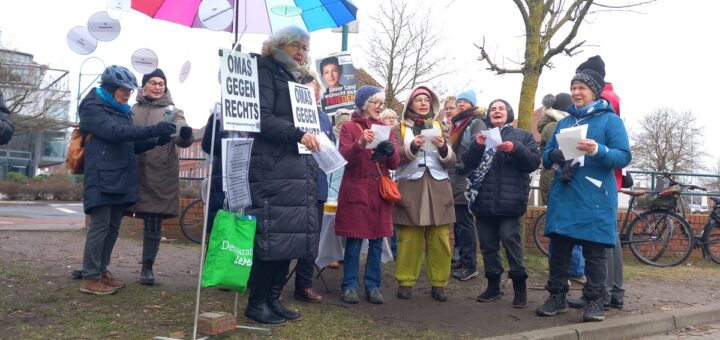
(510, 112)
(593, 63)
(562, 101)
(157, 73)
(592, 79)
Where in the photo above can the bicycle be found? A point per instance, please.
(659, 236)
(192, 217)
(542, 242)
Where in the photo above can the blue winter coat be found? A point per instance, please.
(110, 166)
(582, 209)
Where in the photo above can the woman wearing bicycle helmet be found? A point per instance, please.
(582, 207)
(110, 167)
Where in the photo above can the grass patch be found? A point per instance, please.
(694, 267)
(36, 306)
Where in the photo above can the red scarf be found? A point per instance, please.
(458, 127)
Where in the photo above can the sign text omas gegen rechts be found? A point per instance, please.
(241, 102)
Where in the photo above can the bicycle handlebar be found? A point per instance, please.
(672, 182)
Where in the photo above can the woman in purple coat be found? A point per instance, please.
(362, 213)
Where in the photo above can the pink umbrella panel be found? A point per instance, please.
(260, 16)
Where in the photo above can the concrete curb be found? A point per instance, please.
(629, 327)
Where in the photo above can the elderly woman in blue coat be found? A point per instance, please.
(582, 206)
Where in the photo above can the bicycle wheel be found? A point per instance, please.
(191, 220)
(660, 238)
(541, 241)
(711, 241)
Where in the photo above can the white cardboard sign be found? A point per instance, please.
(305, 114)
(240, 92)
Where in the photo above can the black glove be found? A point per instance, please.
(185, 132)
(162, 140)
(385, 148)
(568, 172)
(556, 156)
(163, 128)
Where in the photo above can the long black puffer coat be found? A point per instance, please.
(282, 182)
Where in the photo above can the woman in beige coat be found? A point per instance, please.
(158, 168)
(424, 214)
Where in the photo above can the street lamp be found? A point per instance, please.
(80, 76)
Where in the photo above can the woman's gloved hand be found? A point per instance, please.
(568, 172)
(383, 149)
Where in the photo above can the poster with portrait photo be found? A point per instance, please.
(337, 75)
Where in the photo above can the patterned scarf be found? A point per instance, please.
(420, 122)
(477, 175)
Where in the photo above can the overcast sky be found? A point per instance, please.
(665, 57)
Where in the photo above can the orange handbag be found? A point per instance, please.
(388, 188)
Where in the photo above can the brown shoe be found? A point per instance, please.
(308, 295)
(97, 287)
(108, 280)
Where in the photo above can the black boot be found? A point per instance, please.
(277, 307)
(146, 273)
(259, 311)
(492, 292)
(520, 292)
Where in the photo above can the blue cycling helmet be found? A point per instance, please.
(118, 76)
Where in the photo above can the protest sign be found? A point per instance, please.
(236, 162)
(240, 92)
(305, 114)
(338, 76)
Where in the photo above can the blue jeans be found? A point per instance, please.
(351, 264)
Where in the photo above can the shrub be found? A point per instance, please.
(16, 177)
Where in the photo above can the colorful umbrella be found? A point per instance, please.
(260, 16)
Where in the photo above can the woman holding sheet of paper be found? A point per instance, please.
(500, 162)
(362, 214)
(425, 213)
(582, 207)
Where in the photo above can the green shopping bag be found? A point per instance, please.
(230, 252)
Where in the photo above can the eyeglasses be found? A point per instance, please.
(421, 100)
(298, 46)
(378, 103)
(391, 118)
(153, 83)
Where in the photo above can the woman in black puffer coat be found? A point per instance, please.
(282, 181)
(498, 196)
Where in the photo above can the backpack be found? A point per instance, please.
(76, 151)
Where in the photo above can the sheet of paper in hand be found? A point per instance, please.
(382, 133)
(328, 157)
(429, 135)
(493, 138)
(568, 140)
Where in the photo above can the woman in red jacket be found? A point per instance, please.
(362, 213)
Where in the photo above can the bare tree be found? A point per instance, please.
(668, 141)
(544, 20)
(35, 94)
(402, 48)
